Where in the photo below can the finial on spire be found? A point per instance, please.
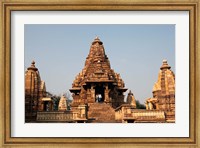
(32, 67)
(165, 65)
(164, 61)
(97, 40)
(33, 63)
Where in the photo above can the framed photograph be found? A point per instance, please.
(100, 73)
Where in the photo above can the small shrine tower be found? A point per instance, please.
(62, 104)
(164, 88)
(34, 90)
(164, 93)
(131, 99)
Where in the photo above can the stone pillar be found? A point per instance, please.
(157, 106)
(83, 112)
(146, 104)
(106, 94)
(88, 95)
(150, 106)
(40, 105)
(92, 91)
(51, 106)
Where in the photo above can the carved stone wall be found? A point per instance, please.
(164, 93)
(62, 104)
(164, 88)
(45, 104)
(34, 90)
(131, 99)
(97, 78)
(127, 114)
(54, 116)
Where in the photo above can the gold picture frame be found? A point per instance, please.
(130, 5)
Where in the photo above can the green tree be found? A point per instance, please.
(55, 100)
(139, 105)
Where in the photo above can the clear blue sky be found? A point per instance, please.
(134, 51)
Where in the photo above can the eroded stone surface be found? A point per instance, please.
(62, 104)
(164, 92)
(164, 88)
(34, 90)
(131, 99)
(97, 82)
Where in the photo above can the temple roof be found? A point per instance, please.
(166, 77)
(62, 106)
(97, 67)
(32, 67)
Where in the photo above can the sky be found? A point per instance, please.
(134, 51)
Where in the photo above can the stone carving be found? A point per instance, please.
(164, 93)
(152, 104)
(98, 85)
(45, 104)
(55, 116)
(131, 99)
(97, 77)
(164, 88)
(62, 106)
(34, 90)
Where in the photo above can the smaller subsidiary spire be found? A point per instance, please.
(165, 65)
(131, 99)
(130, 93)
(62, 103)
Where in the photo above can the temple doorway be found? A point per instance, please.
(99, 93)
(46, 106)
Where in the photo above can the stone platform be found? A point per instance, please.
(101, 113)
(55, 116)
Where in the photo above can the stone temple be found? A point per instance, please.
(97, 85)
(164, 92)
(35, 94)
(34, 90)
(98, 95)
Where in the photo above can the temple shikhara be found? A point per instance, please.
(98, 95)
(35, 93)
(164, 92)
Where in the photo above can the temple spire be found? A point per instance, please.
(97, 78)
(131, 99)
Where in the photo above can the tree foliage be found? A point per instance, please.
(55, 100)
(139, 105)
